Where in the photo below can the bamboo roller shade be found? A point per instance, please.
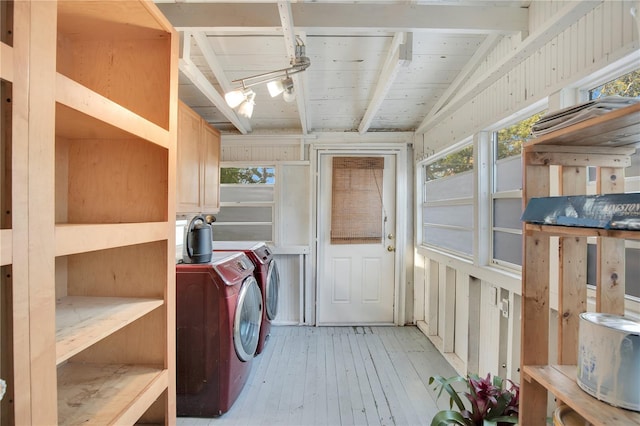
(356, 210)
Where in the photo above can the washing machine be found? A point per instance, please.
(218, 316)
(268, 279)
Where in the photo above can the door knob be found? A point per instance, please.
(391, 248)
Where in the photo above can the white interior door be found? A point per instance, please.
(357, 227)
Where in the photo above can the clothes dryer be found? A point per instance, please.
(268, 279)
(218, 316)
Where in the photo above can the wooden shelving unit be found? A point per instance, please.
(93, 150)
(606, 143)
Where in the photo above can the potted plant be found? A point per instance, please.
(490, 401)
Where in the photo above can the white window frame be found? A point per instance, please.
(421, 184)
(273, 204)
(491, 182)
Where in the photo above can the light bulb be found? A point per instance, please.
(235, 97)
(275, 88)
(289, 95)
(246, 108)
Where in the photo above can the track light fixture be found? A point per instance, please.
(278, 82)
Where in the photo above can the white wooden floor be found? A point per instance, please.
(339, 376)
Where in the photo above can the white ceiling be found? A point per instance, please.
(376, 66)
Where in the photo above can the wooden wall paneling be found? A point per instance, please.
(449, 311)
(433, 297)
(475, 340)
(461, 317)
(420, 285)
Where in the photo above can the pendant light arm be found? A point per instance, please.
(300, 65)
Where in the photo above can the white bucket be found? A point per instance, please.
(609, 359)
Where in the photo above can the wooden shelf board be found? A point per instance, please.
(6, 246)
(576, 231)
(84, 114)
(83, 321)
(561, 381)
(617, 128)
(72, 238)
(6, 62)
(107, 394)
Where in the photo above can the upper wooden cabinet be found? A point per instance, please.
(198, 170)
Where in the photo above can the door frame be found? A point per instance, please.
(399, 151)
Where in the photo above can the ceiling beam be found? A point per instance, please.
(299, 83)
(399, 54)
(216, 67)
(560, 21)
(316, 17)
(191, 71)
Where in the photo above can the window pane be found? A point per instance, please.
(627, 85)
(457, 162)
(246, 193)
(507, 213)
(632, 269)
(508, 174)
(452, 187)
(356, 200)
(242, 232)
(453, 239)
(245, 214)
(455, 215)
(507, 247)
(510, 139)
(247, 175)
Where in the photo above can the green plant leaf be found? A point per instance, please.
(448, 417)
(445, 385)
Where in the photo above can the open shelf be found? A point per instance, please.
(107, 393)
(561, 381)
(120, 50)
(84, 114)
(105, 180)
(83, 321)
(71, 239)
(6, 244)
(605, 143)
(616, 128)
(6, 62)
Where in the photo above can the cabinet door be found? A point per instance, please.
(211, 168)
(188, 168)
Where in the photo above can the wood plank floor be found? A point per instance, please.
(339, 376)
